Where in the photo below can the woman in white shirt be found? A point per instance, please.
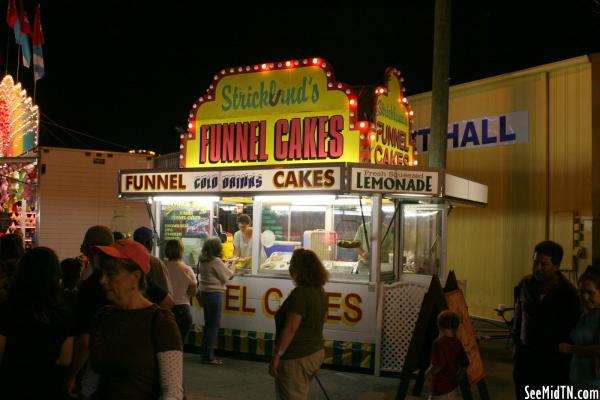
(183, 282)
(213, 276)
(242, 239)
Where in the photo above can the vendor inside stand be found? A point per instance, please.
(362, 238)
(242, 240)
(325, 224)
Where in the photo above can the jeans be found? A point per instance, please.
(183, 317)
(213, 306)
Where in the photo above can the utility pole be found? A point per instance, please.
(439, 92)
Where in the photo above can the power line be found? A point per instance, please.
(73, 137)
(54, 135)
(49, 121)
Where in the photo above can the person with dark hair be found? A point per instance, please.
(11, 251)
(214, 274)
(546, 310)
(242, 240)
(35, 330)
(448, 358)
(585, 350)
(184, 283)
(69, 280)
(70, 273)
(118, 235)
(11, 247)
(90, 299)
(158, 275)
(135, 348)
(299, 327)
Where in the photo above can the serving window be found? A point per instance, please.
(330, 226)
(423, 227)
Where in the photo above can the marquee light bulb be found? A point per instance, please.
(362, 124)
(264, 66)
(372, 137)
(415, 162)
(352, 102)
(411, 113)
(288, 63)
(315, 61)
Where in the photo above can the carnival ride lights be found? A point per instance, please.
(18, 117)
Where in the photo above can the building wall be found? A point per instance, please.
(75, 193)
(534, 187)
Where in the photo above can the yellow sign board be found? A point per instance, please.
(392, 142)
(272, 114)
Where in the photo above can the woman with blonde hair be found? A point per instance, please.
(299, 328)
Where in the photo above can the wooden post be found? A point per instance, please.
(440, 86)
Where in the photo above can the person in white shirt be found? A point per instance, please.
(183, 282)
(242, 240)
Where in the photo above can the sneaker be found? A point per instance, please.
(214, 361)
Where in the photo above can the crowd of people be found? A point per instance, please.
(556, 326)
(111, 323)
(96, 326)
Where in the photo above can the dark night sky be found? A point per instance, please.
(128, 71)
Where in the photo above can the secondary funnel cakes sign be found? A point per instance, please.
(272, 114)
(393, 143)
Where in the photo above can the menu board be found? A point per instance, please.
(275, 221)
(188, 222)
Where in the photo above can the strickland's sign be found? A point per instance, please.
(272, 114)
(394, 181)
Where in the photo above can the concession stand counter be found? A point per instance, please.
(282, 143)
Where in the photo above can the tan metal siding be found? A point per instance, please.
(571, 139)
(75, 193)
(491, 248)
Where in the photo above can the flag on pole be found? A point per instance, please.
(38, 41)
(12, 16)
(22, 39)
(25, 25)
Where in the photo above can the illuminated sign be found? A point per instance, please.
(300, 178)
(19, 120)
(391, 142)
(394, 181)
(273, 114)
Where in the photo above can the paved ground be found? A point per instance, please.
(249, 380)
